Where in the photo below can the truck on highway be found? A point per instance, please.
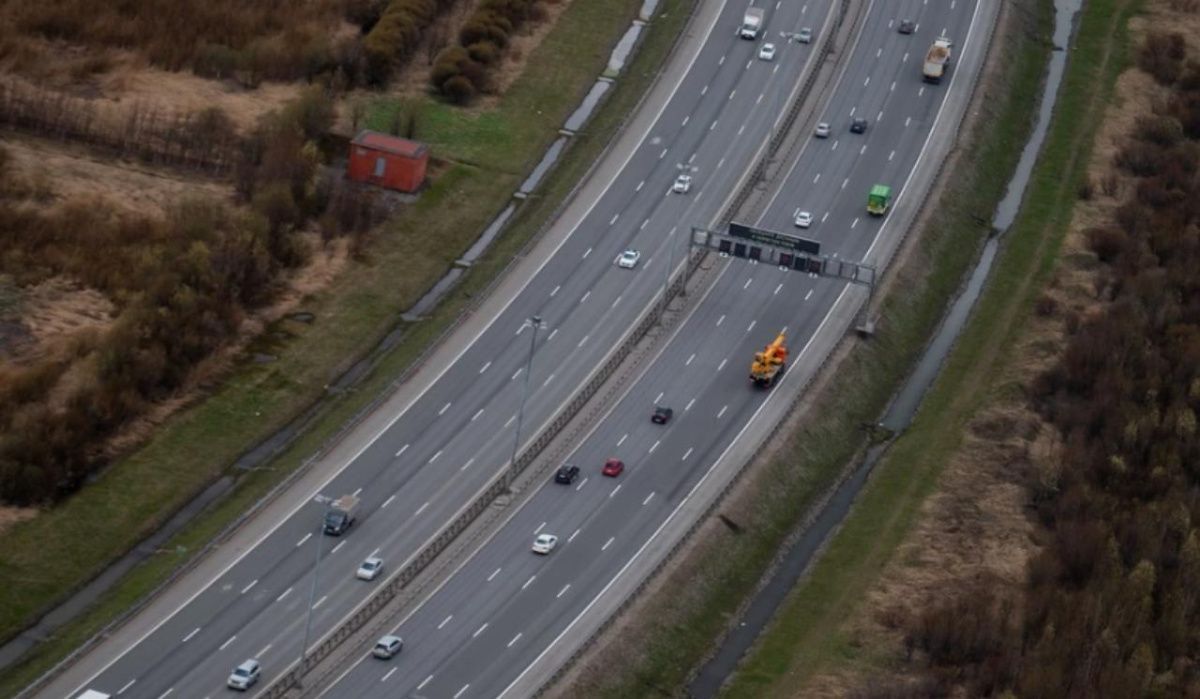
(769, 364)
(752, 22)
(879, 199)
(936, 60)
(340, 515)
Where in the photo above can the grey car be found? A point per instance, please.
(244, 676)
(805, 35)
(387, 647)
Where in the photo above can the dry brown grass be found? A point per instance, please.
(976, 530)
(69, 173)
(184, 92)
(323, 266)
(521, 45)
(11, 515)
(168, 33)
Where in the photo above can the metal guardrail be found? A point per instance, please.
(500, 485)
(282, 685)
(373, 358)
(718, 497)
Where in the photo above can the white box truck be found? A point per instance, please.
(752, 22)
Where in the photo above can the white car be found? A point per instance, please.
(803, 219)
(544, 543)
(683, 183)
(804, 36)
(822, 130)
(629, 259)
(387, 647)
(767, 52)
(369, 568)
(245, 675)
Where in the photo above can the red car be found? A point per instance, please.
(613, 467)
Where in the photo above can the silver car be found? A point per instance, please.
(387, 647)
(629, 259)
(369, 569)
(545, 543)
(805, 35)
(823, 130)
(245, 675)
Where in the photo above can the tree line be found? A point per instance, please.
(463, 70)
(206, 139)
(1111, 604)
(182, 285)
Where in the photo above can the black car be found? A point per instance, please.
(907, 26)
(566, 474)
(858, 125)
(662, 415)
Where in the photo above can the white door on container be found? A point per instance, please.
(380, 166)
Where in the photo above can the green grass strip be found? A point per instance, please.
(46, 558)
(810, 633)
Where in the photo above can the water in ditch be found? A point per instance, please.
(714, 673)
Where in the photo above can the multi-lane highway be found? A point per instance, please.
(428, 460)
(480, 633)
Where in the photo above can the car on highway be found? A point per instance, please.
(544, 543)
(662, 415)
(907, 26)
(766, 52)
(805, 35)
(858, 125)
(629, 259)
(683, 184)
(822, 130)
(369, 569)
(613, 468)
(567, 473)
(245, 675)
(803, 219)
(387, 647)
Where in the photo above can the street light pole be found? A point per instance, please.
(312, 593)
(536, 323)
(667, 274)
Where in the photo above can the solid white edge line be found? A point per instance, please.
(446, 367)
(837, 302)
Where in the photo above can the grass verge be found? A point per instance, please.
(693, 610)
(43, 560)
(809, 634)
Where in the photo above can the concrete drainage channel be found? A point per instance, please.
(899, 414)
(261, 453)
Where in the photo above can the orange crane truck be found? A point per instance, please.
(769, 364)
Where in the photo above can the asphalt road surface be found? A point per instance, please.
(433, 457)
(506, 605)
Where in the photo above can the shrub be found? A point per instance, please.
(1162, 56)
(459, 89)
(484, 52)
(485, 35)
(1159, 129)
(1107, 243)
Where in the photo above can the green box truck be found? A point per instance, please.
(879, 199)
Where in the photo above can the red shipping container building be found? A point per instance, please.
(387, 161)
